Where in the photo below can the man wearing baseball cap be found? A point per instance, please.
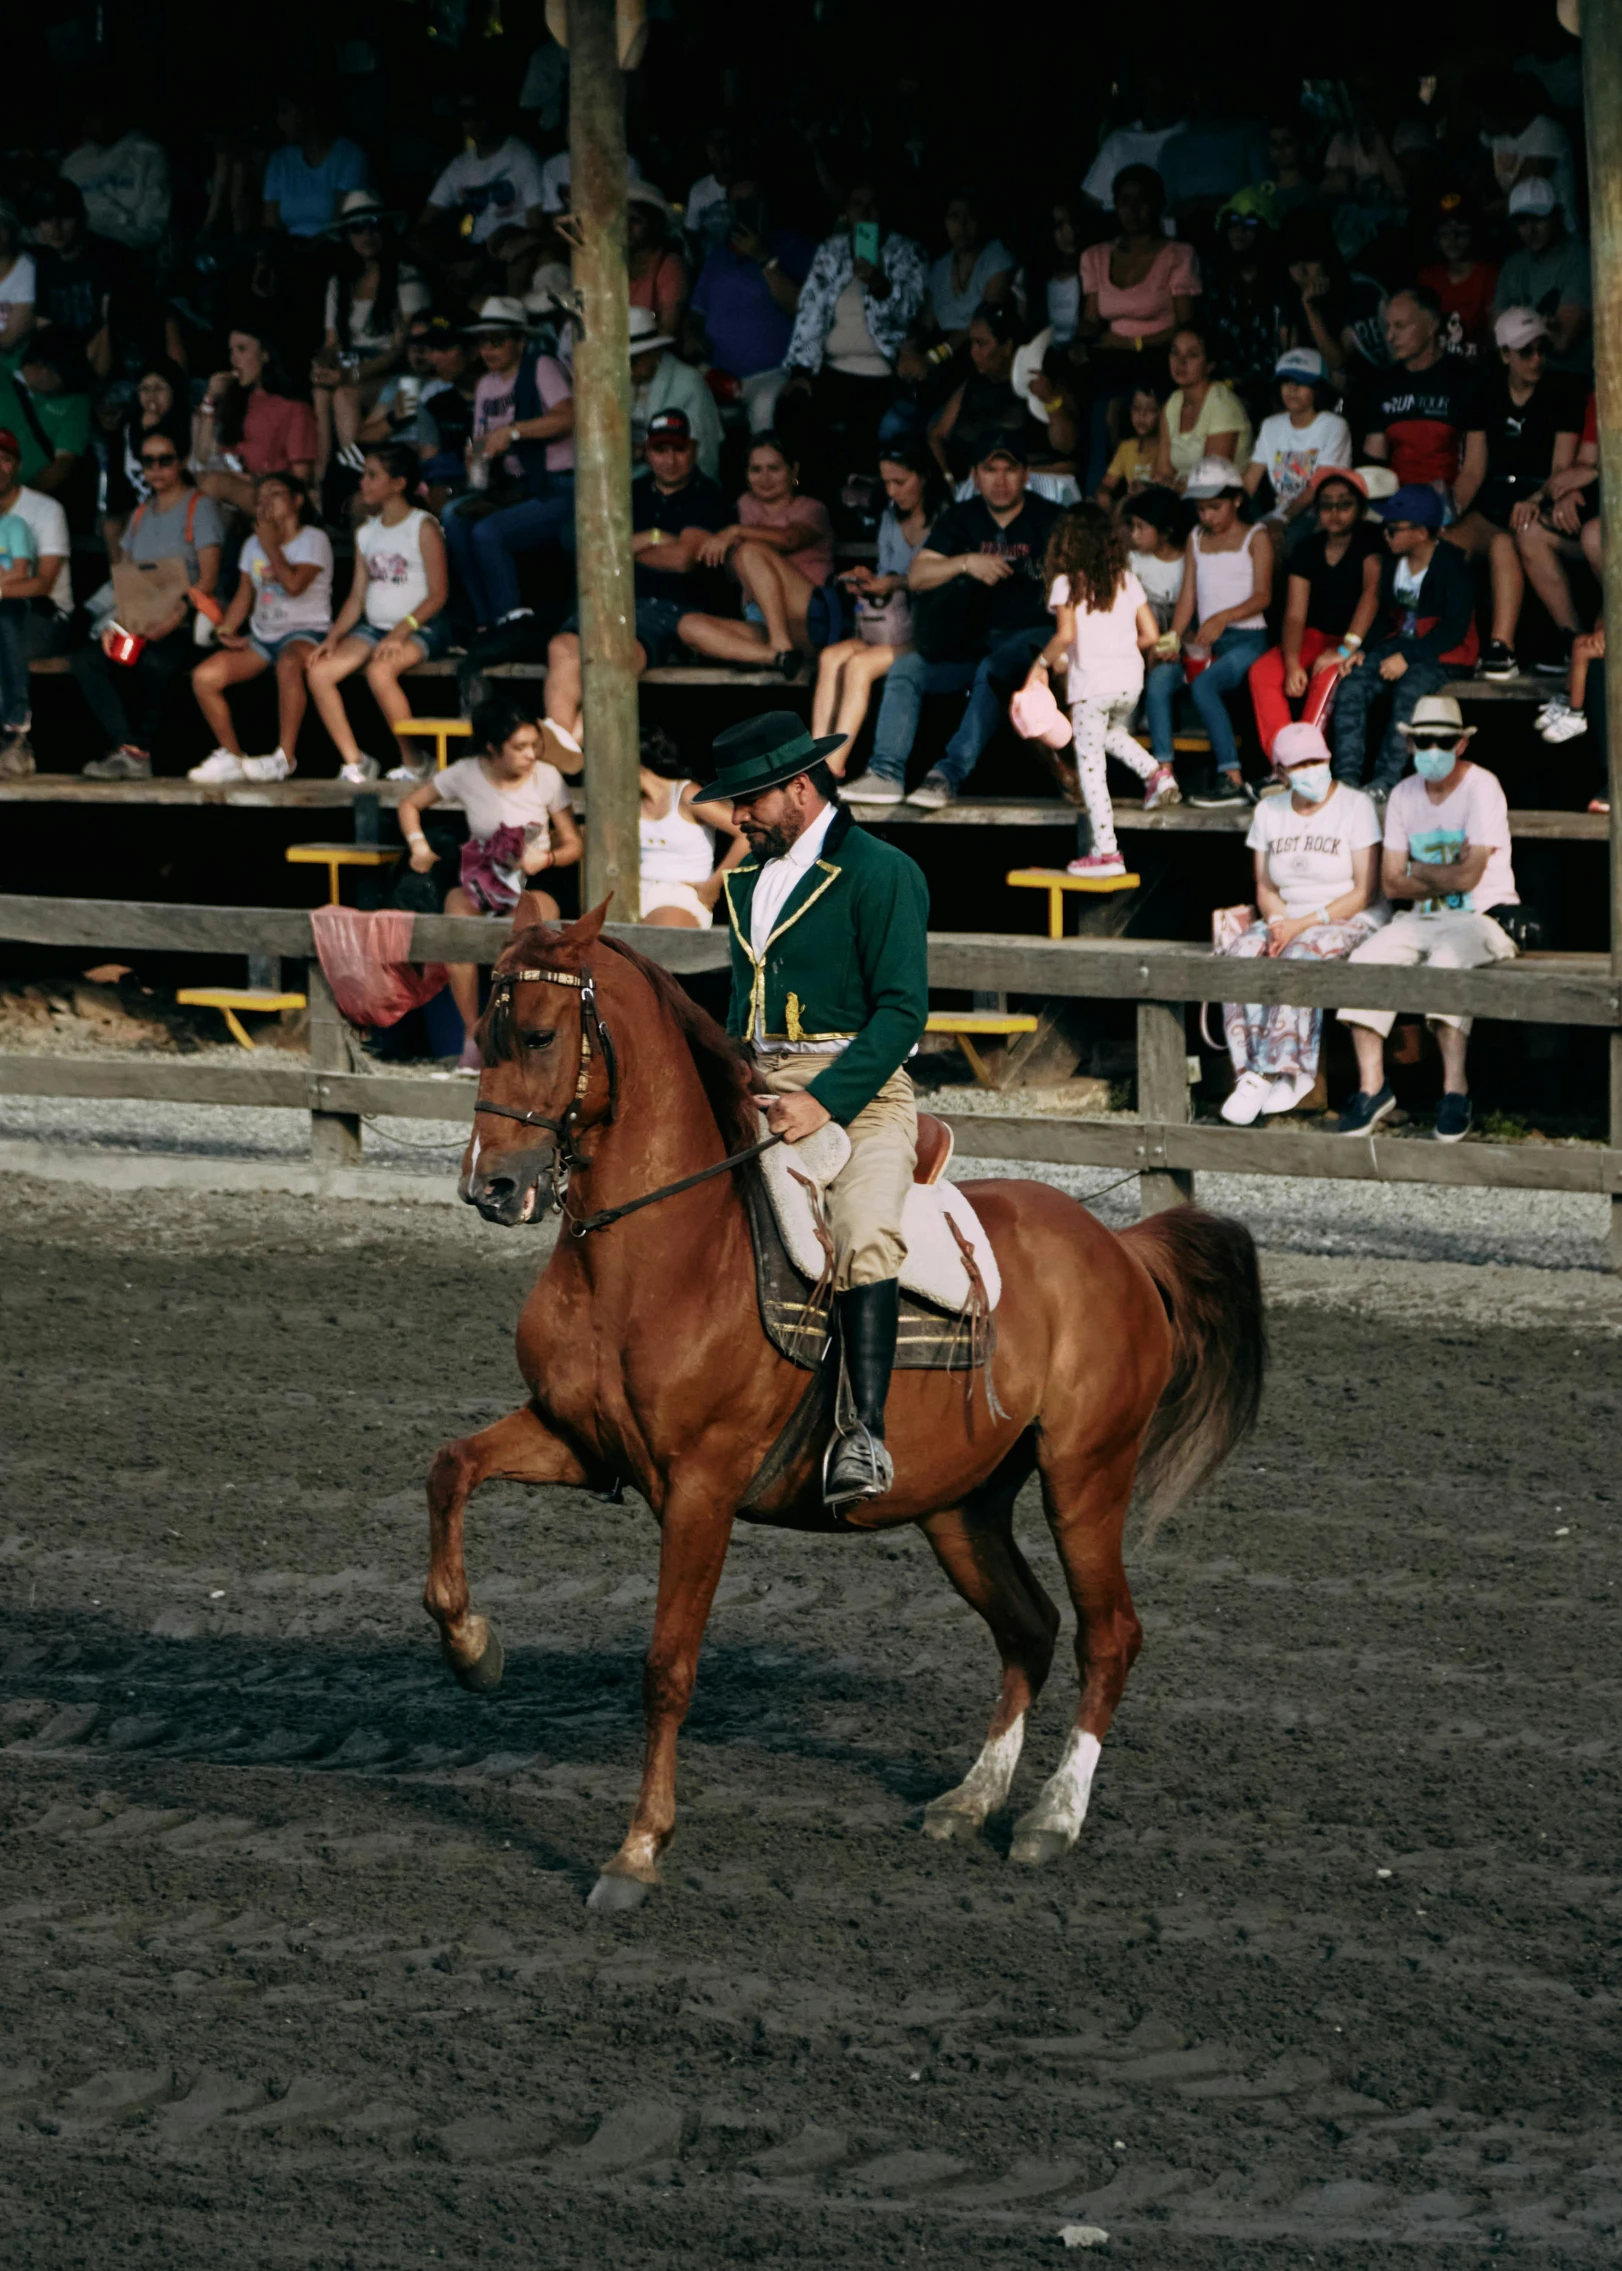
(1446, 868)
(672, 512)
(1550, 272)
(1522, 427)
(983, 618)
(1424, 633)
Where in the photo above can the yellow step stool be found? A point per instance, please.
(970, 1025)
(439, 731)
(335, 856)
(229, 999)
(1056, 882)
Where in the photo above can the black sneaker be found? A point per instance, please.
(1497, 661)
(1453, 1117)
(1557, 665)
(1227, 789)
(1362, 1113)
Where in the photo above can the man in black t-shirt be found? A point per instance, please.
(85, 292)
(1524, 421)
(671, 514)
(980, 612)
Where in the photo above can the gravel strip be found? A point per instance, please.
(1546, 1230)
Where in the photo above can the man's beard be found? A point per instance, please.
(768, 843)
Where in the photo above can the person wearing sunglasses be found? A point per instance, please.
(127, 699)
(1522, 428)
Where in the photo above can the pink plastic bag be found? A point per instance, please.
(365, 957)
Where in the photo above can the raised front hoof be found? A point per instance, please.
(1033, 1848)
(944, 1821)
(483, 1675)
(615, 1895)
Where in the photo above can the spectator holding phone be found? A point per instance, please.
(849, 669)
(281, 613)
(864, 292)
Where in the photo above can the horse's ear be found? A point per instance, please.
(530, 912)
(588, 929)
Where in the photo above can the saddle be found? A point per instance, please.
(950, 1282)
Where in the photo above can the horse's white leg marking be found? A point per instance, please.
(1054, 1822)
(473, 1163)
(982, 1789)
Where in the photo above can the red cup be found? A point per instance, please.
(124, 646)
(1195, 659)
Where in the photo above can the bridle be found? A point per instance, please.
(564, 1128)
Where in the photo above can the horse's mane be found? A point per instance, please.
(717, 1060)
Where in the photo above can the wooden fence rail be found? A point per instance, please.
(1162, 1146)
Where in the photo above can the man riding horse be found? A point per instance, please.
(830, 994)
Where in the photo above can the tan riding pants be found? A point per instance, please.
(866, 1197)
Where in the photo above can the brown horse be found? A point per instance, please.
(1118, 1357)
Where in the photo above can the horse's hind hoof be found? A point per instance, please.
(616, 1896)
(483, 1675)
(1032, 1848)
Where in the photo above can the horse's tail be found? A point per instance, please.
(1204, 1266)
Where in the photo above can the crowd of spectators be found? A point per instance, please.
(1264, 416)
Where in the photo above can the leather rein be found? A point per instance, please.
(564, 1129)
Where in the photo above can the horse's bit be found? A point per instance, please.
(563, 1130)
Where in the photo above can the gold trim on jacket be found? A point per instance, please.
(757, 990)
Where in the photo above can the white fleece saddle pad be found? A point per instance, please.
(933, 1270)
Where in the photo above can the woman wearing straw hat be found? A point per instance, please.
(523, 439)
(371, 297)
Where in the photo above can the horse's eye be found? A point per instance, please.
(538, 1040)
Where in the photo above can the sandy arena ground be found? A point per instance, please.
(294, 1967)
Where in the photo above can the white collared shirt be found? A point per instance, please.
(779, 877)
(773, 888)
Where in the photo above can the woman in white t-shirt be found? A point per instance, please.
(394, 616)
(279, 616)
(1104, 627)
(520, 824)
(1302, 434)
(1317, 855)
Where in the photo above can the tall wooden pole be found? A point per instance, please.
(602, 456)
(1602, 89)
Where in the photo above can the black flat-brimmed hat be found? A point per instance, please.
(763, 753)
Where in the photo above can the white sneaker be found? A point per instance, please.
(222, 766)
(1564, 725)
(1161, 789)
(1245, 1104)
(416, 774)
(1290, 1089)
(358, 775)
(276, 767)
(873, 788)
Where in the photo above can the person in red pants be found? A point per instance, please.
(1334, 587)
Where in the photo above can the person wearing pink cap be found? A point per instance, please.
(1317, 853)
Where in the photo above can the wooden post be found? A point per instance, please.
(1163, 1096)
(1602, 89)
(334, 1136)
(602, 457)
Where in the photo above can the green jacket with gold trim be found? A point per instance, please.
(848, 960)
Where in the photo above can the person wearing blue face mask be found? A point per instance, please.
(1318, 894)
(1424, 632)
(1447, 863)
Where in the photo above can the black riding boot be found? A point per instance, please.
(858, 1464)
